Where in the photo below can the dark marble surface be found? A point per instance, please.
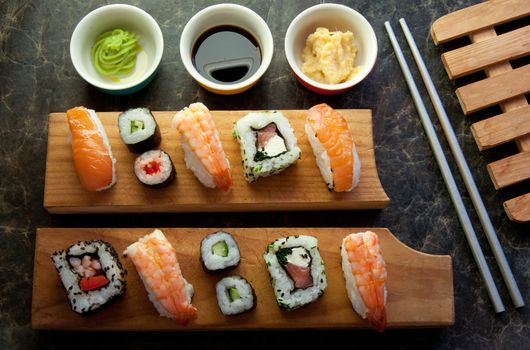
(37, 77)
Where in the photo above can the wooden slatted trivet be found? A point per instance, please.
(504, 86)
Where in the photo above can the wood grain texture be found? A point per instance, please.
(518, 208)
(502, 128)
(300, 187)
(523, 142)
(488, 92)
(420, 286)
(474, 57)
(504, 86)
(510, 170)
(487, 14)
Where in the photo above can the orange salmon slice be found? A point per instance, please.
(92, 157)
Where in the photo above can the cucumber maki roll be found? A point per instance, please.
(139, 130)
(154, 169)
(235, 295)
(91, 274)
(268, 144)
(219, 251)
(296, 270)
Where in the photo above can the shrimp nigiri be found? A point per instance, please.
(365, 274)
(92, 155)
(333, 146)
(203, 151)
(156, 262)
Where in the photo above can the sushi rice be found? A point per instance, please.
(139, 130)
(365, 275)
(103, 133)
(288, 296)
(203, 151)
(83, 301)
(211, 259)
(235, 295)
(257, 163)
(334, 149)
(324, 163)
(154, 169)
(88, 151)
(156, 262)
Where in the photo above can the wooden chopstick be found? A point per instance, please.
(491, 235)
(448, 177)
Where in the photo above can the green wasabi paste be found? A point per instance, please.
(114, 52)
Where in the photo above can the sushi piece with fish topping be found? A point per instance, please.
(139, 130)
(156, 261)
(365, 274)
(235, 295)
(268, 144)
(92, 155)
(154, 169)
(333, 147)
(91, 274)
(297, 271)
(203, 152)
(219, 251)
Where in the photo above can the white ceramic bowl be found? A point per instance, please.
(226, 14)
(107, 18)
(334, 17)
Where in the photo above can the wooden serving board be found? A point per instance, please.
(420, 286)
(300, 187)
(504, 86)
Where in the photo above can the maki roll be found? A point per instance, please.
(154, 169)
(333, 147)
(268, 144)
(235, 295)
(219, 251)
(91, 274)
(365, 274)
(296, 270)
(139, 130)
(156, 261)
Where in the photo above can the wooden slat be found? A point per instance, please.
(487, 14)
(518, 208)
(502, 128)
(523, 142)
(504, 86)
(420, 286)
(474, 57)
(493, 90)
(510, 170)
(300, 187)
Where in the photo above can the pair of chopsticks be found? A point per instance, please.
(464, 171)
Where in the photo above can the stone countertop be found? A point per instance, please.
(37, 77)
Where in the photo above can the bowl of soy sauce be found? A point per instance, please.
(226, 48)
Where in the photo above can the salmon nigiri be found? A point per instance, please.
(365, 274)
(203, 151)
(156, 262)
(333, 146)
(91, 151)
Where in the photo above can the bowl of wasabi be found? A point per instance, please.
(117, 48)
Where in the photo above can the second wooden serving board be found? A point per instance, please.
(300, 187)
(420, 286)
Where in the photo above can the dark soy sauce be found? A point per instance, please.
(226, 54)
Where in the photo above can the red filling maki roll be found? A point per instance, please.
(154, 169)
